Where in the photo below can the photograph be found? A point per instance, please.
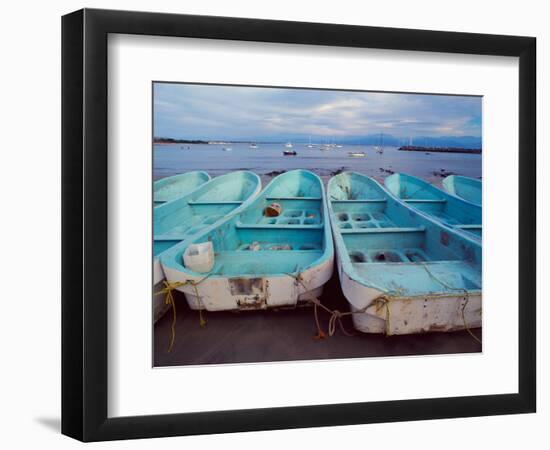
(296, 224)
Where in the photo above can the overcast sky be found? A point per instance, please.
(187, 111)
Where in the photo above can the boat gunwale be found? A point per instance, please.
(449, 183)
(163, 182)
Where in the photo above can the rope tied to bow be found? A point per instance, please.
(169, 287)
(382, 301)
(335, 315)
(466, 300)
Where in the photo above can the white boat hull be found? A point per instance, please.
(407, 315)
(250, 293)
(159, 305)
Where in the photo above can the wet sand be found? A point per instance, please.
(287, 335)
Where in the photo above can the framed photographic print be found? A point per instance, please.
(273, 224)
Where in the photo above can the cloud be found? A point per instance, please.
(229, 112)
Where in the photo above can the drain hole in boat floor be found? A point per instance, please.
(357, 257)
(386, 257)
(343, 217)
(363, 217)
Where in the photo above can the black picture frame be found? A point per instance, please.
(84, 224)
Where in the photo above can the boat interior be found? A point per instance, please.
(179, 219)
(432, 201)
(253, 243)
(467, 188)
(392, 247)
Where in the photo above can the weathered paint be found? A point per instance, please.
(257, 258)
(426, 285)
(277, 289)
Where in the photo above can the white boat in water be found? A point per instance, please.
(227, 149)
(277, 251)
(253, 145)
(400, 271)
(357, 154)
(288, 145)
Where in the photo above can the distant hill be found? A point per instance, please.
(369, 139)
(374, 139)
(425, 141)
(162, 140)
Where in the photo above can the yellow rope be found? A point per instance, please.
(169, 300)
(335, 315)
(466, 300)
(383, 301)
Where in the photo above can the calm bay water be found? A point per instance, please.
(170, 159)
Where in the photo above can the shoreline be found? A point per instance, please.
(436, 178)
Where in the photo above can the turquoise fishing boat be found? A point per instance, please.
(170, 188)
(277, 251)
(401, 271)
(178, 220)
(439, 205)
(468, 189)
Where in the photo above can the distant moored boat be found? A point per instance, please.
(289, 152)
(357, 154)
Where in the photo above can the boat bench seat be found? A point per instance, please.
(425, 200)
(383, 230)
(365, 200)
(293, 198)
(227, 202)
(469, 226)
(282, 226)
